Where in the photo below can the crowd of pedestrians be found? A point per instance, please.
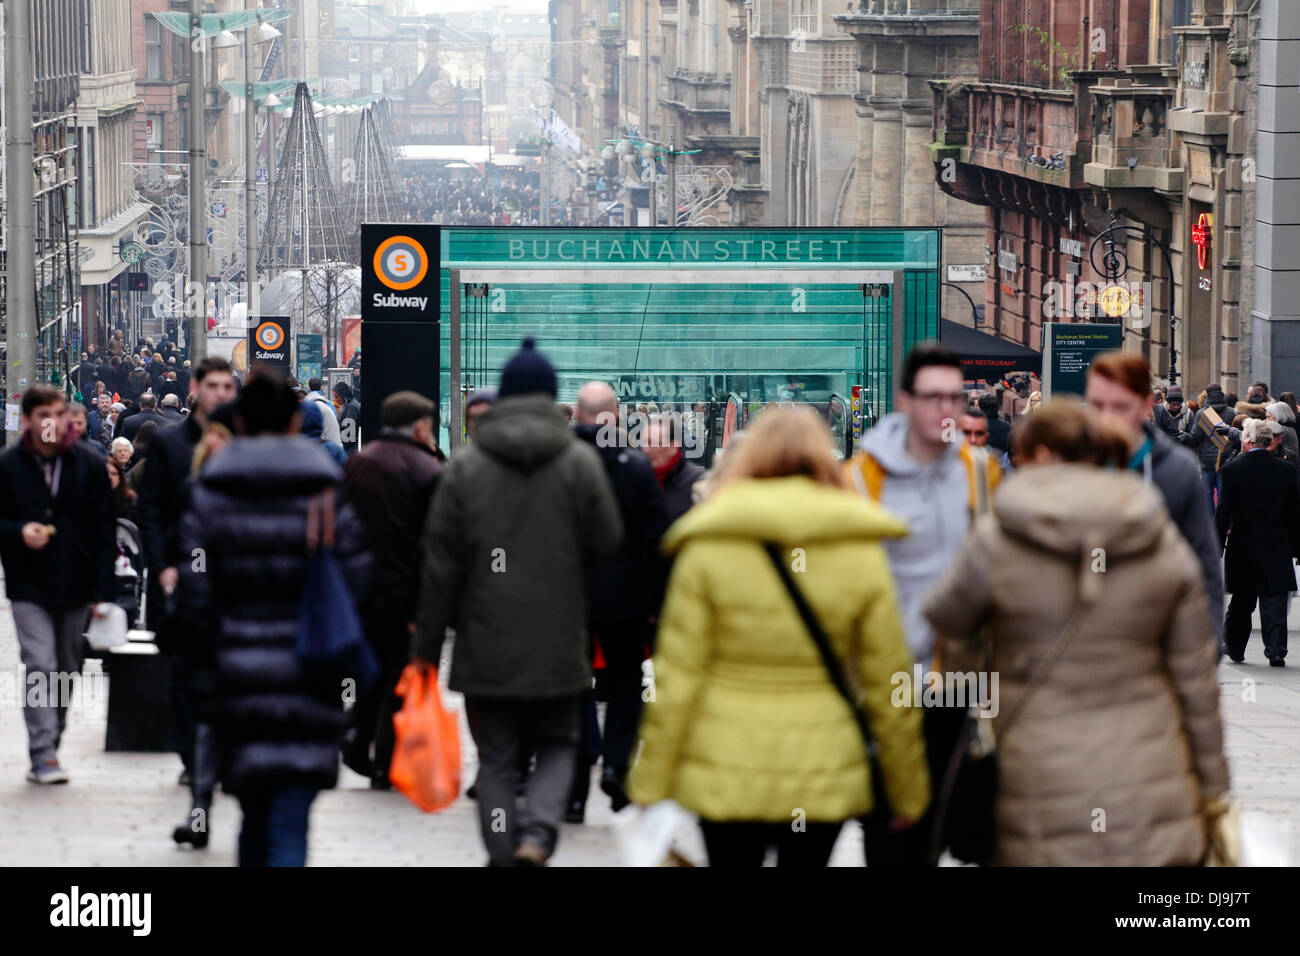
(745, 628)
(437, 196)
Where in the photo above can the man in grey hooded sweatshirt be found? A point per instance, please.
(915, 464)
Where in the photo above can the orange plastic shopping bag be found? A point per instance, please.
(426, 749)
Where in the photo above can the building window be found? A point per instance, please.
(354, 54)
(355, 80)
(153, 130)
(152, 49)
(377, 83)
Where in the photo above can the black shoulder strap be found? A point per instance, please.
(829, 660)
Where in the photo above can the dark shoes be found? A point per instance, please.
(529, 854)
(1236, 660)
(357, 757)
(575, 812)
(184, 835)
(1277, 662)
(611, 782)
(521, 788)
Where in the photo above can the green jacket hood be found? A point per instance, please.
(524, 431)
(786, 510)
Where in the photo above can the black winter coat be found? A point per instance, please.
(248, 515)
(390, 483)
(162, 492)
(1257, 520)
(999, 433)
(138, 420)
(351, 412)
(76, 567)
(1175, 474)
(1207, 452)
(624, 587)
(137, 383)
(678, 486)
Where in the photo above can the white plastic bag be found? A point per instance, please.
(647, 837)
(1267, 841)
(108, 630)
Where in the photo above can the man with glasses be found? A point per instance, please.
(916, 464)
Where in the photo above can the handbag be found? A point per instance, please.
(426, 743)
(965, 818)
(880, 799)
(331, 645)
(1223, 833)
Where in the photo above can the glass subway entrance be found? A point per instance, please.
(690, 319)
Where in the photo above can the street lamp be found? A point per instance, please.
(645, 148)
(264, 33)
(220, 29)
(647, 152)
(1109, 257)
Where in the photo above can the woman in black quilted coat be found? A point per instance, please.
(244, 533)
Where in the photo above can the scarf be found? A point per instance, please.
(663, 471)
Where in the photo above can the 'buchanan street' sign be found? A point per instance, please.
(679, 249)
(868, 249)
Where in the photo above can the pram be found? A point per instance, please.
(129, 580)
(129, 575)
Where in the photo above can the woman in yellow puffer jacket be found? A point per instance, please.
(745, 727)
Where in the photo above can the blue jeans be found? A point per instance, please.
(274, 830)
(1210, 479)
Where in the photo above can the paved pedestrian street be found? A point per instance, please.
(120, 808)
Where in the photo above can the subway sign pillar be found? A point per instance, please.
(400, 316)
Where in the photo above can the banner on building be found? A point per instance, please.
(557, 131)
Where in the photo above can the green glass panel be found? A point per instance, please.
(659, 338)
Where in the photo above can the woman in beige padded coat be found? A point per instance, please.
(1119, 748)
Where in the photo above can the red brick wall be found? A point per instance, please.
(1007, 54)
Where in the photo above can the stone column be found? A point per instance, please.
(1275, 319)
(740, 91)
(917, 172)
(886, 155)
(862, 184)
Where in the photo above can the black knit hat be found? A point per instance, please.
(1175, 394)
(528, 371)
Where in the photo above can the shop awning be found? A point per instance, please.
(987, 356)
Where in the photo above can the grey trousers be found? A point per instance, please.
(502, 731)
(50, 645)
